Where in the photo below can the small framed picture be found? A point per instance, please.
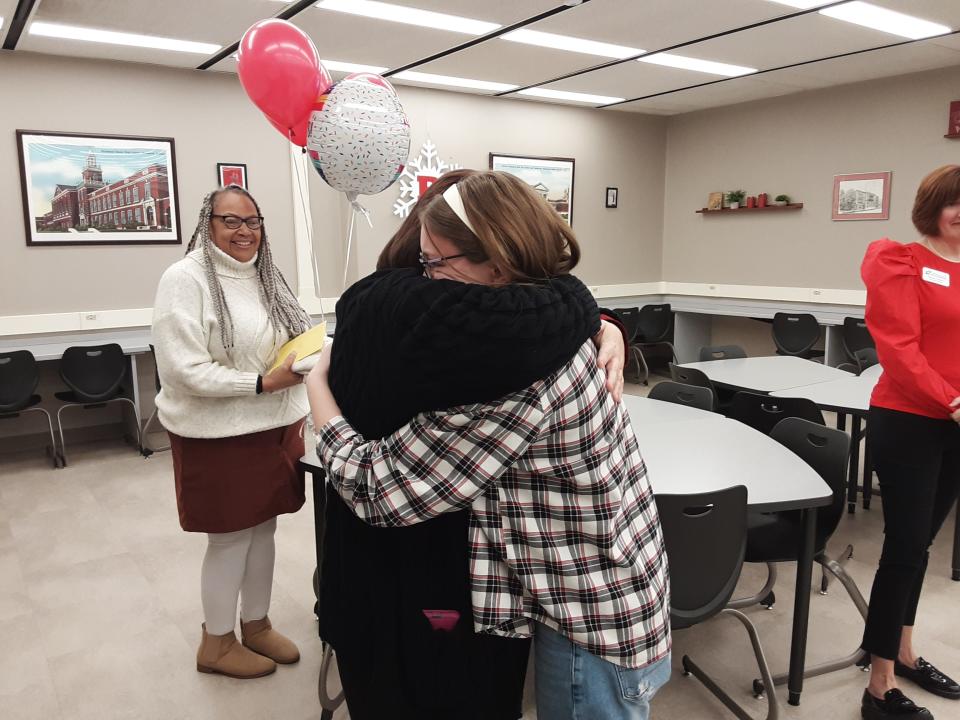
(953, 126)
(232, 174)
(861, 196)
(612, 197)
(715, 201)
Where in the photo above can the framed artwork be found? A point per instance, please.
(862, 196)
(715, 201)
(612, 197)
(232, 174)
(552, 177)
(82, 189)
(953, 126)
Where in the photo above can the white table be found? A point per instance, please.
(767, 374)
(644, 411)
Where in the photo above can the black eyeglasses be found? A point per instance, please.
(233, 222)
(432, 263)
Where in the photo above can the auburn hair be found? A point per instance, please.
(513, 226)
(937, 190)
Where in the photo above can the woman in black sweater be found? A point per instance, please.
(395, 603)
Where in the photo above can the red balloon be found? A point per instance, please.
(280, 69)
(298, 133)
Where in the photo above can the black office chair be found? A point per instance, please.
(654, 332)
(94, 374)
(697, 378)
(855, 337)
(775, 537)
(681, 394)
(763, 412)
(721, 352)
(630, 317)
(19, 377)
(796, 334)
(154, 415)
(706, 537)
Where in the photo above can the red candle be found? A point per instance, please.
(762, 200)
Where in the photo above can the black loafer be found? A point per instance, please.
(929, 678)
(894, 705)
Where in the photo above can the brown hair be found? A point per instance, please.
(937, 190)
(515, 227)
(403, 249)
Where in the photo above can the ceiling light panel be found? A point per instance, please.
(710, 67)
(571, 44)
(885, 20)
(111, 37)
(655, 25)
(412, 76)
(569, 96)
(409, 16)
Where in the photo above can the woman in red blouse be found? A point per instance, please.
(913, 313)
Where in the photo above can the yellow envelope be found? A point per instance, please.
(303, 345)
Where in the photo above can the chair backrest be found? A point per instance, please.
(630, 317)
(656, 323)
(856, 336)
(706, 538)
(721, 352)
(827, 451)
(19, 377)
(692, 376)
(763, 412)
(866, 357)
(94, 373)
(681, 394)
(795, 333)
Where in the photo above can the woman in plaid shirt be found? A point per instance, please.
(565, 542)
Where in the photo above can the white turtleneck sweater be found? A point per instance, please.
(207, 392)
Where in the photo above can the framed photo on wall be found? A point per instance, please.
(80, 189)
(611, 200)
(232, 174)
(552, 177)
(862, 196)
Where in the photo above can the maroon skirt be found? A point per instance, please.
(234, 483)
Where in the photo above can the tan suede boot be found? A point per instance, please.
(259, 636)
(223, 655)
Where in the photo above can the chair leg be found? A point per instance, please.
(136, 414)
(857, 656)
(63, 445)
(52, 451)
(690, 667)
(841, 560)
(765, 592)
(956, 546)
(641, 365)
(327, 703)
(146, 431)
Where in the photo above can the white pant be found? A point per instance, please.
(237, 563)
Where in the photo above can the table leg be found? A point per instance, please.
(801, 607)
(853, 478)
(867, 472)
(842, 421)
(956, 546)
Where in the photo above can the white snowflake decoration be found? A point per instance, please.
(427, 165)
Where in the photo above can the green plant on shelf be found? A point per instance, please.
(781, 200)
(735, 198)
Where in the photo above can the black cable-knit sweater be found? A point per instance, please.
(404, 345)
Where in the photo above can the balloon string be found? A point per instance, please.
(346, 261)
(313, 254)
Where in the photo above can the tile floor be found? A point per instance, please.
(100, 608)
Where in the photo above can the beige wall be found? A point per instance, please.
(795, 145)
(610, 148)
(210, 120)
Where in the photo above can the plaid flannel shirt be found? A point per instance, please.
(564, 529)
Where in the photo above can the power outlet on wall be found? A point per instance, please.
(595, 290)
(90, 316)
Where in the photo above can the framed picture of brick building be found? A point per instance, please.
(862, 196)
(551, 177)
(83, 189)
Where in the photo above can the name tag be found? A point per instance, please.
(937, 277)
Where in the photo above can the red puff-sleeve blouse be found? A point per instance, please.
(913, 314)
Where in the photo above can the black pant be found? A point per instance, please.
(917, 460)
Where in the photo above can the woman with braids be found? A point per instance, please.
(221, 314)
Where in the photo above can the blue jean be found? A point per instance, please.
(574, 684)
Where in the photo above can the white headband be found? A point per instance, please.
(453, 199)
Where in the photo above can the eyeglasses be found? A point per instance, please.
(232, 222)
(432, 263)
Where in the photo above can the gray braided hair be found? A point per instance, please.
(283, 309)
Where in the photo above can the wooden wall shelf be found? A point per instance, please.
(790, 206)
(952, 137)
